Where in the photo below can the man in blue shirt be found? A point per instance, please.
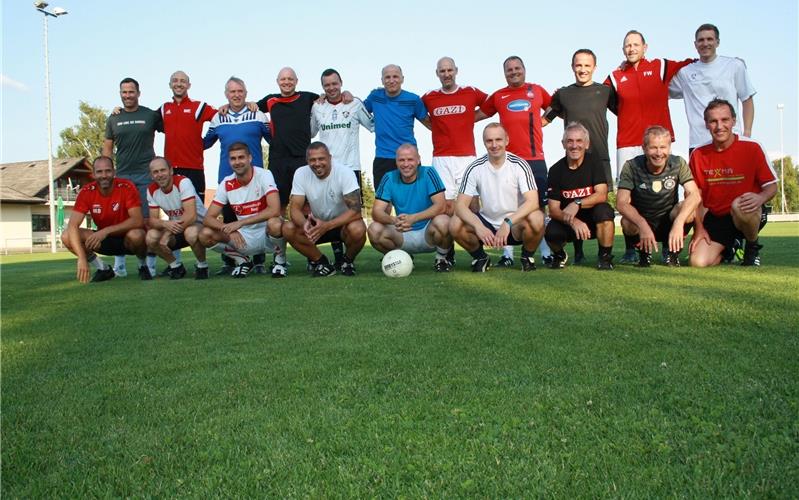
(394, 112)
(417, 195)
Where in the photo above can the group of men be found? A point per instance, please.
(498, 200)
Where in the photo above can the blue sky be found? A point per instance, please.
(99, 43)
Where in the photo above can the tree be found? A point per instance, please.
(85, 138)
(368, 196)
(791, 186)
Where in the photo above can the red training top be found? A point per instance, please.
(183, 128)
(107, 210)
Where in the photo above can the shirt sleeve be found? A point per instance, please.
(488, 106)
(158, 122)
(743, 84)
(151, 201)
(211, 135)
(419, 110)
(82, 203)
(315, 109)
(297, 185)
(434, 183)
(675, 87)
(365, 118)
(349, 182)
(186, 188)
(525, 178)
(262, 104)
(546, 98)
(367, 103)
(626, 180)
(109, 129)
(555, 109)
(685, 172)
(269, 181)
(469, 184)
(206, 113)
(132, 197)
(220, 198)
(553, 184)
(673, 67)
(384, 190)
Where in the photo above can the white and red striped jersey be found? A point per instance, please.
(246, 199)
(171, 202)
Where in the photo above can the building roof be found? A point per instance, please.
(26, 181)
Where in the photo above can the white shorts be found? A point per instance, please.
(451, 170)
(255, 239)
(624, 154)
(416, 241)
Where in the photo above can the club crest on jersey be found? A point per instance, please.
(669, 183)
(449, 110)
(345, 114)
(97, 209)
(519, 105)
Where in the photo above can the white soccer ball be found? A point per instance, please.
(397, 264)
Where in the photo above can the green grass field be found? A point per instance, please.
(635, 383)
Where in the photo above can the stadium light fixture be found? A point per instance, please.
(41, 6)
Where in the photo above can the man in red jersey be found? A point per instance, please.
(736, 180)
(115, 208)
(641, 88)
(520, 106)
(452, 112)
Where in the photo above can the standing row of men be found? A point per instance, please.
(637, 92)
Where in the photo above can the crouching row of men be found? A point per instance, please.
(498, 204)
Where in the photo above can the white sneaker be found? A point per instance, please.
(120, 271)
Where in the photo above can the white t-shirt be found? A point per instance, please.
(500, 189)
(337, 126)
(246, 200)
(172, 202)
(699, 83)
(325, 196)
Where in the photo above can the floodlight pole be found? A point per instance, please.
(41, 7)
(783, 202)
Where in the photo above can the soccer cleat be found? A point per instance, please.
(605, 263)
(579, 257)
(751, 254)
(505, 261)
(322, 270)
(144, 273)
(103, 275)
(671, 259)
(629, 257)
(225, 270)
(242, 270)
(347, 267)
(165, 272)
(279, 270)
(201, 273)
(528, 263)
(739, 249)
(644, 258)
(442, 266)
(259, 269)
(176, 273)
(559, 260)
(481, 265)
(547, 260)
(339, 263)
(120, 271)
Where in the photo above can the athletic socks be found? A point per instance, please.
(526, 253)
(201, 265)
(441, 253)
(176, 264)
(545, 251)
(150, 263)
(604, 251)
(119, 261)
(178, 256)
(631, 241)
(97, 262)
(338, 250)
(507, 251)
(280, 249)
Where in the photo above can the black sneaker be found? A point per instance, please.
(144, 273)
(164, 273)
(201, 273)
(605, 263)
(751, 254)
(103, 275)
(528, 263)
(671, 259)
(323, 269)
(629, 257)
(559, 260)
(225, 270)
(481, 265)
(242, 270)
(347, 267)
(644, 258)
(547, 260)
(505, 261)
(579, 256)
(451, 256)
(339, 263)
(442, 266)
(176, 273)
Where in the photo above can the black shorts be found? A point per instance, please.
(332, 236)
(180, 242)
(197, 178)
(722, 229)
(662, 227)
(540, 174)
(283, 170)
(114, 245)
(511, 240)
(559, 233)
(380, 167)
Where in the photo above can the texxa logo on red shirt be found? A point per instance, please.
(578, 193)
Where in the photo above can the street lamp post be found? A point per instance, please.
(783, 202)
(57, 11)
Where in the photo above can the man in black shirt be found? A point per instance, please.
(578, 193)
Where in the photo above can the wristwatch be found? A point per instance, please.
(507, 221)
(578, 202)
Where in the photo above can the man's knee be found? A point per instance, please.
(190, 234)
(289, 230)
(207, 237)
(274, 227)
(153, 235)
(355, 230)
(628, 227)
(535, 221)
(375, 231)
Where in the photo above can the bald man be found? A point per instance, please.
(394, 111)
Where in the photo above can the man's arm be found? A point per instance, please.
(76, 245)
(272, 210)
(381, 212)
(529, 206)
(689, 206)
(438, 207)
(365, 118)
(296, 204)
(210, 137)
(464, 213)
(748, 110)
(352, 201)
(211, 219)
(108, 147)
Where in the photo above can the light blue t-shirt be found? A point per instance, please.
(394, 119)
(410, 198)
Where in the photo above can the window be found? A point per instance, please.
(40, 222)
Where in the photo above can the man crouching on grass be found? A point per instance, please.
(115, 208)
(252, 194)
(175, 195)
